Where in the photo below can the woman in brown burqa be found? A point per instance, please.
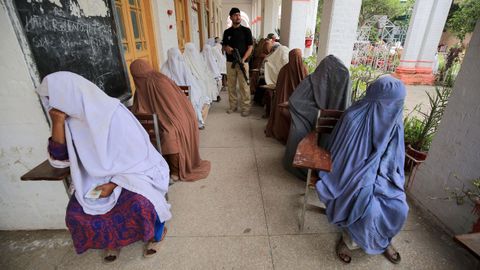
(156, 93)
(290, 75)
(263, 48)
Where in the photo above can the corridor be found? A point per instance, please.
(243, 216)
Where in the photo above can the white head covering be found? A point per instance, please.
(197, 65)
(211, 42)
(212, 64)
(274, 62)
(176, 69)
(220, 58)
(105, 143)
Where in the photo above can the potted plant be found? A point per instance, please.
(470, 195)
(420, 126)
(308, 38)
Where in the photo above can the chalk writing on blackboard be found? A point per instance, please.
(64, 35)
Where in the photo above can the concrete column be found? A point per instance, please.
(269, 17)
(338, 29)
(438, 18)
(424, 32)
(311, 23)
(294, 23)
(454, 154)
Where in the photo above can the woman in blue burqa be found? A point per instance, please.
(364, 193)
(328, 87)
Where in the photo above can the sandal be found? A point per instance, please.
(392, 255)
(343, 252)
(110, 255)
(174, 177)
(153, 246)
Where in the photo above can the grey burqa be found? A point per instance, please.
(328, 87)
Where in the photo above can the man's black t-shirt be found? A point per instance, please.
(240, 38)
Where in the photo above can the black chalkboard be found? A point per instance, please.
(63, 36)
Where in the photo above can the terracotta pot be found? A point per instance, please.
(416, 154)
(308, 42)
(419, 156)
(476, 211)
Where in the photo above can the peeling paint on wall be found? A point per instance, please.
(93, 8)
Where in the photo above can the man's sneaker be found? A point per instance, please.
(245, 113)
(231, 110)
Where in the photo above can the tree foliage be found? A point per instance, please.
(463, 19)
(394, 9)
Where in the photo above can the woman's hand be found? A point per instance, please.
(106, 189)
(58, 125)
(57, 116)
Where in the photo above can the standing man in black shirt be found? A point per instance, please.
(237, 37)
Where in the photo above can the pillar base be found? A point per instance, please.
(415, 76)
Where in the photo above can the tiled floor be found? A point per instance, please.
(243, 216)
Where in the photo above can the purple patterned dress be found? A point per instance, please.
(133, 218)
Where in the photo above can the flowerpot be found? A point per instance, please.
(415, 155)
(413, 158)
(476, 211)
(308, 42)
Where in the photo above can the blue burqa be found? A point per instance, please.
(364, 192)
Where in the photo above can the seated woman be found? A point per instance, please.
(261, 51)
(214, 68)
(274, 62)
(328, 87)
(288, 79)
(120, 180)
(202, 74)
(176, 69)
(364, 192)
(179, 137)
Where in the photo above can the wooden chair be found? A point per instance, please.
(269, 97)
(150, 124)
(45, 171)
(185, 89)
(471, 242)
(309, 155)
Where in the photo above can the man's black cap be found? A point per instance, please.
(233, 11)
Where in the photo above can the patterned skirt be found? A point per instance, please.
(133, 218)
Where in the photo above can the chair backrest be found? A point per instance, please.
(185, 89)
(326, 120)
(150, 124)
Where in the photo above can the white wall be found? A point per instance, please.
(23, 140)
(166, 38)
(456, 148)
(245, 6)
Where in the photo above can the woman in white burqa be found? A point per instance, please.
(212, 64)
(176, 69)
(197, 65)
(109, 154)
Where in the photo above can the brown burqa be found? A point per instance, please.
(156, 93)
(263, 48)
(290, 75)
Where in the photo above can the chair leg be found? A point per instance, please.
(302, 221)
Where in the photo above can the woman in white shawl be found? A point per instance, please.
(210, 59)
(274, 62)
(197, 65)
(176, 69)
(120, 180)
(220, 58)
